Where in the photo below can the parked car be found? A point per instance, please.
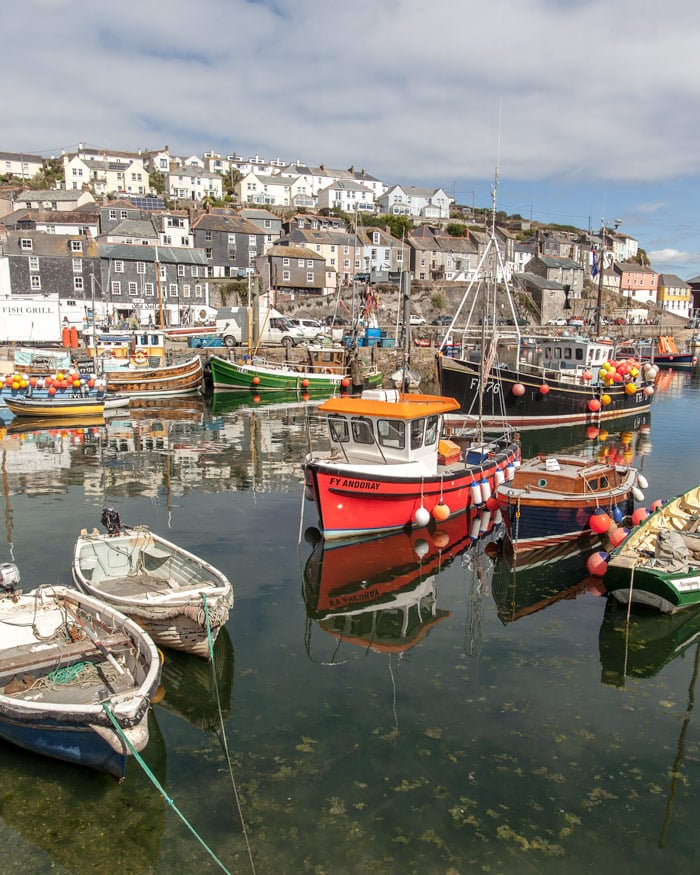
(311, 328)
(620, 320)
(575, 323)
(442, 320)
(558, 320)
(415, 319)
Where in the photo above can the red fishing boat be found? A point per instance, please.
(387, 467)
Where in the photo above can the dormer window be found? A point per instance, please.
(25, 243)
(76, 246)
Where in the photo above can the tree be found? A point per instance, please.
(456, 229)
(157, 181)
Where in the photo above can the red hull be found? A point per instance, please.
(349, 505)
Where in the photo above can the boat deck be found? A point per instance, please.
(135, 586)
(76, 673)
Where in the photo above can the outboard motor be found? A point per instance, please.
(9, 578)
(110, 520)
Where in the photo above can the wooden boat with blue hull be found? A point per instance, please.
(66, 659)
(658, 563)
(559, 384)
(56, 407)
(181, 600)
(551, 498)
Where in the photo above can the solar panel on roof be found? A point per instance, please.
(148, 203)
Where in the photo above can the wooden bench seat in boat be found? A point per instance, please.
(40, 657)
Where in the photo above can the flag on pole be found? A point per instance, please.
(595, 267)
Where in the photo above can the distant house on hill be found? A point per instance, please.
(674, 295)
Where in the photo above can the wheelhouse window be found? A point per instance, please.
(431, 431)
(362, 431)
(391, 433)
(339, 429)
(417, 430)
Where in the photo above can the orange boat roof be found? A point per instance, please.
(408, 406)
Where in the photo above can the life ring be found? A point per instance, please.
(139, 358)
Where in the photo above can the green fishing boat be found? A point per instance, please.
(658, 563)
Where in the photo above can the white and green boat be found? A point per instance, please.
(658, 563)
(327, 370)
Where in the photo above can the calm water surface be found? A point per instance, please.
(476, 720)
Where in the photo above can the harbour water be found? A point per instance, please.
(479, 720)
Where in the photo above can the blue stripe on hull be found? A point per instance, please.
(79, 745)
(555, 522)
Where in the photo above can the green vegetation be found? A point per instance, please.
(456, 229)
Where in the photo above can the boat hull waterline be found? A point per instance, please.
(562, 404)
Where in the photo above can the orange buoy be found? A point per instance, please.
(441, 511)
(599, 521)
(518, 389)
(594, 405)
(544, 388)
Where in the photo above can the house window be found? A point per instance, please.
(232, 255)
(133, 288)
(187, 291)
(116, 287)
(309, 262)
(33, 262)
(209, 253)
(25, 243)
(310, 277)
(35, 281)
(119, 267)
(286, 276)
(300, 262)
(198, 290)
(163, 273)
(181, 270)
(195, 271)
(252, 241)
(172, 290)
(77, 265)
(141, 267)
(167, 239)
(148, 290)
(78, 284)
(207, 235)
(124, 214)
(113, 214)
(285, 262)
(76, 246)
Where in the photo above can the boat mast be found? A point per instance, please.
(601, 261)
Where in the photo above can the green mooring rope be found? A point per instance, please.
(160, 789)
(68, 673)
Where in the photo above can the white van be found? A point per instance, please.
(275, 329)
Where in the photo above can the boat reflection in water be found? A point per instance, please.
(195, 689)
(639, 647)
(525, 583)
(379, 593)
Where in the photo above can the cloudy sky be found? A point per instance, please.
(589, 108)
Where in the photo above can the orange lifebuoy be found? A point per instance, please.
(139, 358)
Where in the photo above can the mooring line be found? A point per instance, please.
(222, 738)
(160, 788)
